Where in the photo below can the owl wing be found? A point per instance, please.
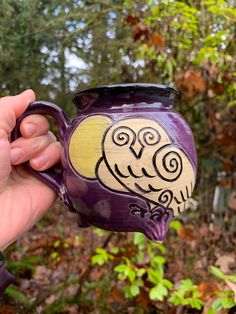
(106, 178)
(131, 177)
(175, 169)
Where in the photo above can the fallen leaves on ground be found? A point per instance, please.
(60, 253)
(207, 290)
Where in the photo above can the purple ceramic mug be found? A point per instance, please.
(129, 161)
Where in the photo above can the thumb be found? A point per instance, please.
(11, 107)
(20, 102)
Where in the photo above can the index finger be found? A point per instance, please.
(11, 107)
(34, 125)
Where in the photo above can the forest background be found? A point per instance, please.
(59, 47)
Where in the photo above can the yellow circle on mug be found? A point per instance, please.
(85, 148)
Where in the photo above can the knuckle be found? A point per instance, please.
(37, 119)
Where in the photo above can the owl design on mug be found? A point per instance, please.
(134, 156)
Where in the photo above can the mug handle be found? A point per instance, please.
(50, 177)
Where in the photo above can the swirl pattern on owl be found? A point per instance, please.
(138, 157)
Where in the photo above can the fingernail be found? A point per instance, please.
(30, 129)
(39, 161)
(16, 154)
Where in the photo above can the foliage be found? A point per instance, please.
(225, 299)
(58, 47)
(18, 296)
(28, 264)
(50, 36)
(218, 273)
(187, 294)
(192, 45)
(131, 269)
(101, 257)
(150, 276)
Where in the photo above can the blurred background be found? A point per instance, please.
(59, 47)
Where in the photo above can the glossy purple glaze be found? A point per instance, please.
(95, 204)
(5, 278)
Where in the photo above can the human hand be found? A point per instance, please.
(23, 198)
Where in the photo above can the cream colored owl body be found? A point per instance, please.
(139, 157)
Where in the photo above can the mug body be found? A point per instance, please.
(130, 160)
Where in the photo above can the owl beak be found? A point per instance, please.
(137, 149)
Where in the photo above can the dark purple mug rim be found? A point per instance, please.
(150, 93)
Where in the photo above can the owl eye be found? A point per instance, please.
(148, 136)
(123, 136)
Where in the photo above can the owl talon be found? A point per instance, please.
(136, 209)
(160, 213)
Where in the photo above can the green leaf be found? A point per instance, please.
(211, 311)
(231, 278)
(168, 284)
(163, 290)
(99, 232)
(175, 299)
(138, 282)
(140, 256)
(169, 68)
(98, 259)
(127, 292)
(154, 276)
(231, 103)
(217, 304)
(134, 290)
(115, 250)
(196, 303)
(56, 244)
(217, 272)
(65, 245)
(175, 224)
(158, 292)
(55, 256)
(227, 303)
(186, 294)
(121, 268)
(101, 251)
(140, 272)
(160, 247)
(131, 274)
(139, 239)
(154, 293)
(158, 260)
(186, 284)
(101, 257)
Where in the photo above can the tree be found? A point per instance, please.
(191, 45)
(51, 33)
